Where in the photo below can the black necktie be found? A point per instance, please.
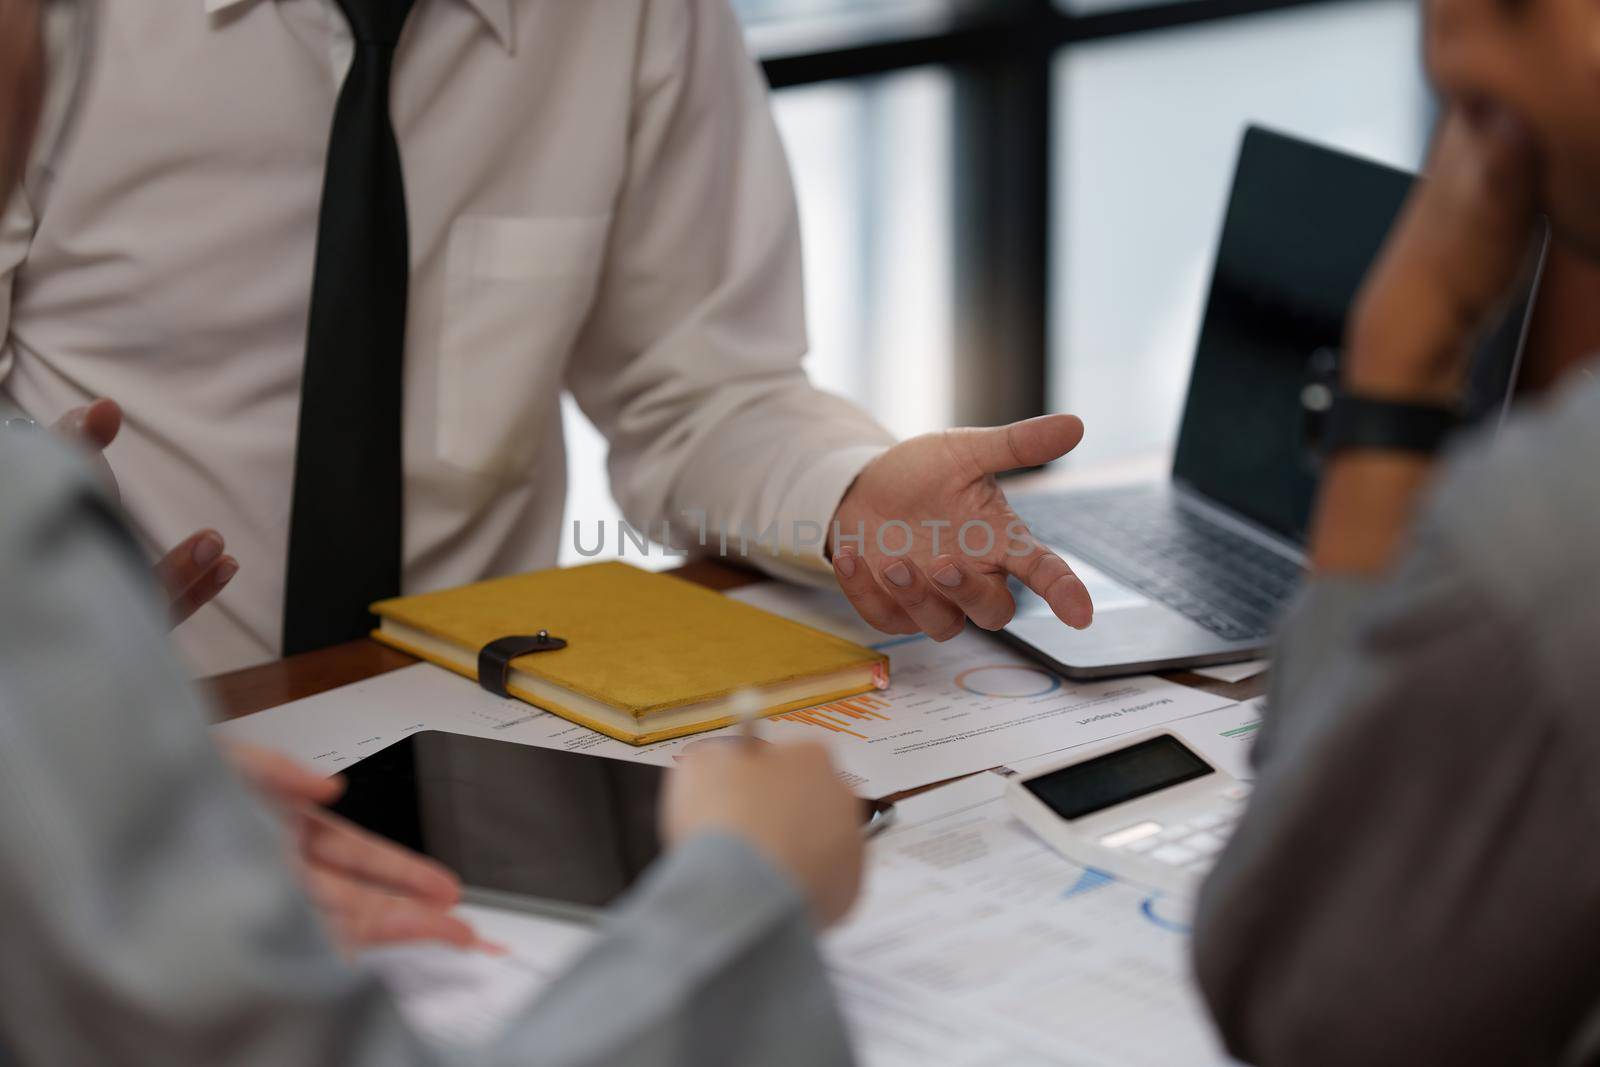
(345, 527)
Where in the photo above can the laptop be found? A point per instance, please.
(1198, 570)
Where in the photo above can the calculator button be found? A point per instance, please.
(1139, 831)
(1173, 833)
(1238, 791)
(1176, 855)
(1205, 844)
(1209, 820)
(1144, 845)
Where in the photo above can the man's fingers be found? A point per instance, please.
(362, 916)
(95, 425)
(870, 601)
(205, 590)
(332, 843)
(910, 588)
(1048, 575)
(1030, 443)
(92, 428)
(388, 921)
(195, 572)
(186, 564)
(189, 561)
(984, 597)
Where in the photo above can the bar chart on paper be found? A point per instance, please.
(839, 716)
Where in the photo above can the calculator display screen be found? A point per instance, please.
(1117, 777)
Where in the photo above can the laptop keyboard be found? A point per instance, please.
(1225, 582)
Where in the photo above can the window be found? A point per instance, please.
(1146, 130)
(870, 159)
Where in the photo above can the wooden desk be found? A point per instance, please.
(257, 688)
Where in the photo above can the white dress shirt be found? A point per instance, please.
(598, 202)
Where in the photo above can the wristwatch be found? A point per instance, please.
(18, 422)
(1360, 422)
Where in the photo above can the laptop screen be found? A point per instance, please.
(1303, 226)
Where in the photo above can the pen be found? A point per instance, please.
(746, 707)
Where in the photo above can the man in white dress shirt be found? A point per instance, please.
(158, 913)
(595, 200)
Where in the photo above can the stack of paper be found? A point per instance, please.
(973, 926)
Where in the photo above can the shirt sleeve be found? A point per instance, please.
(713, 960)
(16, 233)
(691, 361)
(65, 33)
(151, 917)
(1413, 882)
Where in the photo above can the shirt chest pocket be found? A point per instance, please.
(517, 293)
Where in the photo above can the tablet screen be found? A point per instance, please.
(540, 822)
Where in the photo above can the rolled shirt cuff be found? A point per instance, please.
(809, 507)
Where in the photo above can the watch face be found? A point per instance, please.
(18, 424)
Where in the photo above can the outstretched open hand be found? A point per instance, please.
(925, 539)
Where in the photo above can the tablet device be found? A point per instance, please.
(509, 818)
(569, 830)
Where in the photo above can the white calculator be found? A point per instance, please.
(1146, 808)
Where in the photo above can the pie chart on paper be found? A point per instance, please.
(1008, 680)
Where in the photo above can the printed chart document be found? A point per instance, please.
(952, 709)
(966, 705)
(1224, 736)
(972, 927)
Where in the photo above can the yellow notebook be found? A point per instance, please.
(648, 656)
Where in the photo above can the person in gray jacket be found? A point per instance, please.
(151, 915)
(1417, 880)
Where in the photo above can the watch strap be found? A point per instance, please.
(1360, 422)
